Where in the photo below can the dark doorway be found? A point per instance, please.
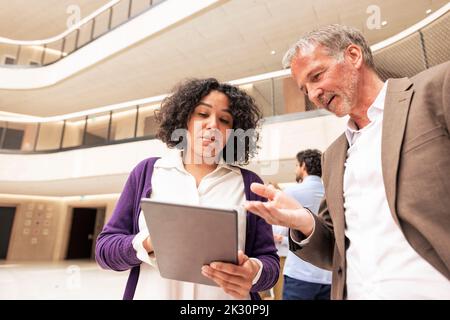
(86, 224)
(6, 223)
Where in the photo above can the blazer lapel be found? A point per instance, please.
(335, 199)
(396, 108)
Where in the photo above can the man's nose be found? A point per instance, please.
(315, 94)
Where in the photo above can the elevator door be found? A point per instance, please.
(6, 223)
(82, 233)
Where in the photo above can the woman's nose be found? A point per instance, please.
(212, 122)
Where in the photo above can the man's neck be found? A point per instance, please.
(367, 91)
(304, 175)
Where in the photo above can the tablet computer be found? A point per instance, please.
(186, 237)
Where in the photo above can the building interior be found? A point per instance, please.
(80, 82)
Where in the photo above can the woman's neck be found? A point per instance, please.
(200, 168)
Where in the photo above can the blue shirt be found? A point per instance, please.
(309, 193)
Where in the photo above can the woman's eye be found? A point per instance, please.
(201, 114)
(225, 121)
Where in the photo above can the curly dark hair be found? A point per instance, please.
(177, 108)
(312, 158)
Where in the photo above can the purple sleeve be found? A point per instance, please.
(114, 249)
(266, 252)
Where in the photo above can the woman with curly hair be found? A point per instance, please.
(210, 128)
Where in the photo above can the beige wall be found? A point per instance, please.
(41, 226)
(294, 100)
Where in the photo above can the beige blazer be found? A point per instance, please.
(415, 157)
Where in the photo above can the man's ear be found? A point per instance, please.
(303, 166)
(354, 55)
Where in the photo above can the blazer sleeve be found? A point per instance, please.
(320, 247)
(114, 249)
(446, 96)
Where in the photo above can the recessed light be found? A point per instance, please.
(384, 23)
(428, 11)
(273, 52)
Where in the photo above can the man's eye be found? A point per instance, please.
(317, 76)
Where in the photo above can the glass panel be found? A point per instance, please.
(147, 125)
(20, 136)
(53, 52)
(49, 136)
(8, 53)
(101, 24)
(29, 55)
(139, 6)
(97, 129)
(288, 98)
(69, 46)
(85, 34)
(122, 126)
(261, 91)
(73, 132)
(120, 13)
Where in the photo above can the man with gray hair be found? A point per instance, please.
(383, 228)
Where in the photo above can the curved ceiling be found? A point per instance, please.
(236, 39)
(36, 20)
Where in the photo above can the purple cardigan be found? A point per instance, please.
(114, 249)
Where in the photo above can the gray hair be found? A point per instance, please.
(335, 38)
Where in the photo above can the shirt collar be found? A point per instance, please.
(373, 113)
(312, 178)
(173, 159)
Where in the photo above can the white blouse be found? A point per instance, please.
(172, 183)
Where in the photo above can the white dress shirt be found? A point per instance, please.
(381, 264)
(224, 187)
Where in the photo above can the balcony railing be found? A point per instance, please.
(275, 93)
(14, 53)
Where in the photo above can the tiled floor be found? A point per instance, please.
(60, 280)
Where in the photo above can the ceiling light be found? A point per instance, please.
(384, 23)
(428, 11)
(273, 52)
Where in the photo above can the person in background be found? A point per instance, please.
(302, 280)
(282, 244)
(383, 228)
(199, 122)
